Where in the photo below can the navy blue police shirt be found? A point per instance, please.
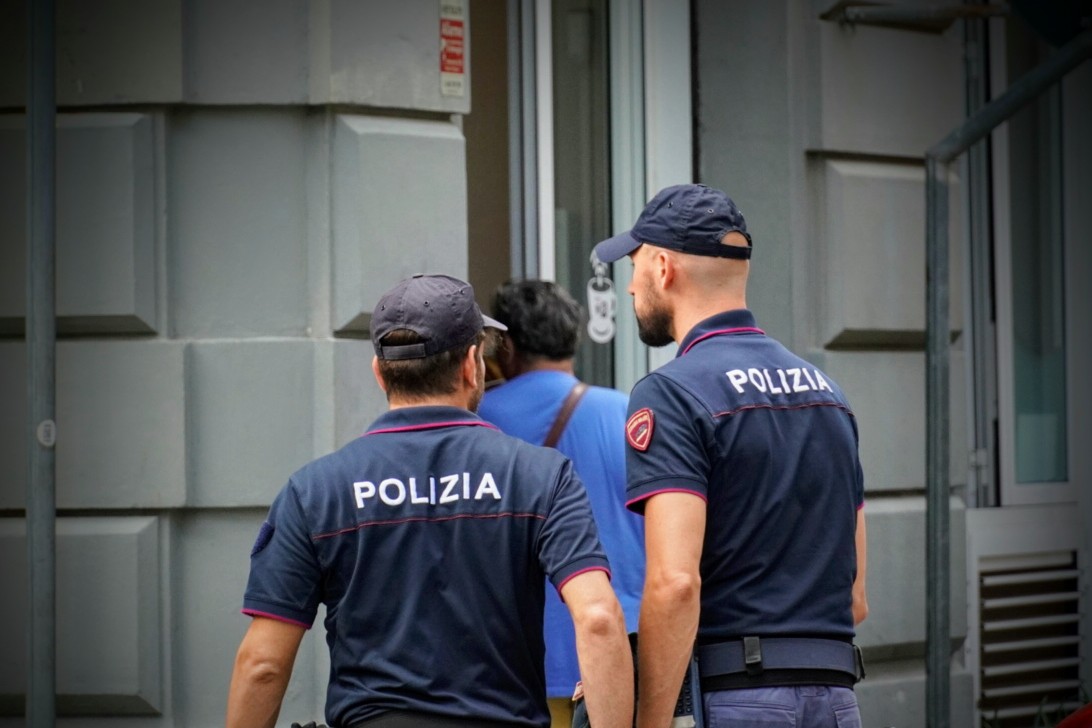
(771, 445)
(429, 540)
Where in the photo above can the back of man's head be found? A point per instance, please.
(422, 329)
(542, 318)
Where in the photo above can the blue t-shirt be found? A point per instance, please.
(526, 407)
(429, 540)
(770, 443)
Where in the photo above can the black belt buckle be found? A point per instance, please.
(752, 655)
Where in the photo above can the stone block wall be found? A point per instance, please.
(237, 183)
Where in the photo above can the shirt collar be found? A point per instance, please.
(736, 321)
(425, 417)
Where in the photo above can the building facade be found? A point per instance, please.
(237, 182)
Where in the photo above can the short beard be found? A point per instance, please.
(654, 328)
(479, 389)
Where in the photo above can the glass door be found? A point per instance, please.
(1035, 296)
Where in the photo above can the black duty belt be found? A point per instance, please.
(415, 719)
(763, 661)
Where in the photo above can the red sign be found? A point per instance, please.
(452, 46)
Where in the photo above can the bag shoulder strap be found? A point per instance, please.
(567, 408)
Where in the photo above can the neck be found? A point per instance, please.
(526, 364)
(458, 399)
(688, 316)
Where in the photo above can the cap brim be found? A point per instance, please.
(618, 247)
(492, 323)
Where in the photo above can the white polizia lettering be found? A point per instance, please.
(778, 381)
(441, 490)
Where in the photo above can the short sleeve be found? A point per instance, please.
(285, 575)
(665, 442)
(568, 544)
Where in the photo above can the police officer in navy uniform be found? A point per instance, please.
(743, 458)
(429, 541)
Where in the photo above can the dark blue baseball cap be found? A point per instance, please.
(688, 218)
(438, 308)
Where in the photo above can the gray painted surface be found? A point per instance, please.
(109, 636)
(384, 54)
(240, 52)
(236, 218)
(870, 241)
(249, 421)
(13, 418)
(894, 695)
(399, 208)
(896, 577)
(375, 53)
(105, 223)
(212, 561)
(121, 424)
(108, 52)
(885, 91)
(886, 390)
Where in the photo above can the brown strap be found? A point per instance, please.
(567, 408)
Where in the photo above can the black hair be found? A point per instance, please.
(542, 318)
(424, 377)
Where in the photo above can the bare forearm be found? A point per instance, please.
(254, 700)
(860, 592)
(669, 622)
(606, 669)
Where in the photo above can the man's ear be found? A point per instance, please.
(469, 369)
(665, 267)
(378, 377)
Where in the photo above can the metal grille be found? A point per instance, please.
(1029, 642)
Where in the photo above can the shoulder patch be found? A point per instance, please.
(639, 428)
(265, 535)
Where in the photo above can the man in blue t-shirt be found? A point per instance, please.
(536, 359)
(429, 541)
(743, 459)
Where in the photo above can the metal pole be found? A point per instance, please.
(529, 114)
(515, 139)
(937, 357)
(1023, 91)
(937, 553)
(41, 356)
